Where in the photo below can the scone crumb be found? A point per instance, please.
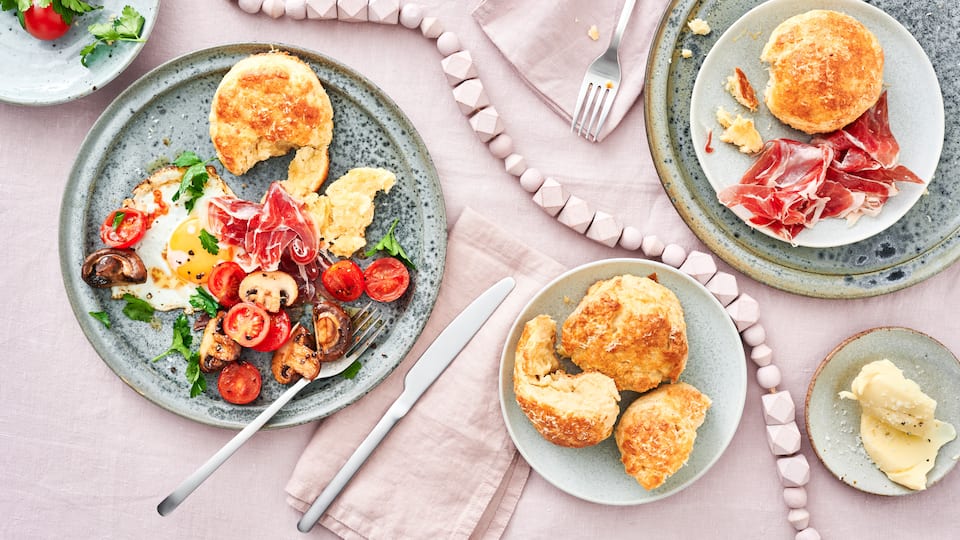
(686, 53)
(724, 118)
(739, 87)
(699, 26)
(594, 32)
(742, 133)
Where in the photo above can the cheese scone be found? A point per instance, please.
(267, 105)
(657, 431)
(826, 69)
(568, 410)
(629, 328)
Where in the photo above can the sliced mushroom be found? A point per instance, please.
(334, 330)
(109, 266)
(217, 349)
(296, 358)
(270, 290)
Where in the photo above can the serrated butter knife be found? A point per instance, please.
(430, 365)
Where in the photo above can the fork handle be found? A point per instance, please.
(625, 14)
(194, 480)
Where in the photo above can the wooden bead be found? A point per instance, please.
(531, 180)
(448, 43)
(352, 10)
(769, 376)
(383, 11)
(631, 239)
(761, 355)
(273, 8)
(723, 287)
(458, 67)
(783, 439)
(799, 518)
(673, 255)
(295, 9)
(250, 6)
(431, 27)
(755, 335)
(807, 534)
(652, 246)
(745, 311)
(471, 96)
(322, 9)
(778, 408)
(411, 15)
(515, 164)
(794, 471)
(700, 266)
(487, 123)
(795, 497)
(551, 196)
(604, 229)
(576, 214)
(502, 145)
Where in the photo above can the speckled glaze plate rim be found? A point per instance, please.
(920, 146)
(308, 406)
(595, 474)
(766, 264)
(836, 372)
(103, 69)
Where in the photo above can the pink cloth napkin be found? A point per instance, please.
(548, 44)
(449, 468)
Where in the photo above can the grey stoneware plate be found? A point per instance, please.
(833, 424)
(165, 113)
(921, 243)
(49, 72)
(913, 99)
(715, 366)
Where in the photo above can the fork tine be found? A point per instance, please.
(364, 341)
(597, 106)
(577, 109)
(586, 108)
(607, 105)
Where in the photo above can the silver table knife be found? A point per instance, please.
(433, 362)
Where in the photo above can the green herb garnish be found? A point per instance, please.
(182, 338)
(390, 244)
(126, 27)
(205, 301)
(352, 370)
(102, 317)
(137, 309)
(194, 178)
(118, 219)
(67, 9)
(198, 383)
(209, 242)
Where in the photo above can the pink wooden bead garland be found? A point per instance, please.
(779, 412)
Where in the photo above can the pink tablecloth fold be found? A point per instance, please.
(449, 468)
(548, 44)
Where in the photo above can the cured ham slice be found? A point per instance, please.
(845, 174)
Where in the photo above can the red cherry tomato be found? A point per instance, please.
(44, 23)
(247, 323)
(279, 332)
(239, 382)
(386, 279)
(123, 228)
(224, 283)
(343, 280)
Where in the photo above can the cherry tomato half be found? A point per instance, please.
(279, 332)
(386, 279)
(224, 283)
(44, 23)
(239, 382)
(123, 228)
(247, 323)
(343, 280)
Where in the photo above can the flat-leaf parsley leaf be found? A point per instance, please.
(390, 244)
(127, 27)
(137, 309)
(194, 178)
(182, 338)
(209, 242)
(205, 301)
(102, 317)
(198, 383)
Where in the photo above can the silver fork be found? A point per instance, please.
(367, 324)
(600, 84)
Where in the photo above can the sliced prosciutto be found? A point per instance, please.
(844, 174)
(266, 233)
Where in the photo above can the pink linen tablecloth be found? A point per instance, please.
(86, 457)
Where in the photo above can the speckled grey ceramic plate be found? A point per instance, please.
(833, 424)
(164, 113)
(716, 366)
(913, 97)
(925, 241)
(49, 72)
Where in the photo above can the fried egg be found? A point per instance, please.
(171, 250)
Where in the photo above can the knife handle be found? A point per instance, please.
(360, 455)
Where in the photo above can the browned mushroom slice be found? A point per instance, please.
(296, 358)
(269, 290)
(334, 331)
(109, 266)
(217, 349)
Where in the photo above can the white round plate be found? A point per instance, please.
(49, 72)
(716, 367)
(913, 96)
(833, 424)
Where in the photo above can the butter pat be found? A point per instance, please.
(897, 424)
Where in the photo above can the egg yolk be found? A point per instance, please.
(186, 255)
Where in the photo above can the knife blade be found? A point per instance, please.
(427, 369)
